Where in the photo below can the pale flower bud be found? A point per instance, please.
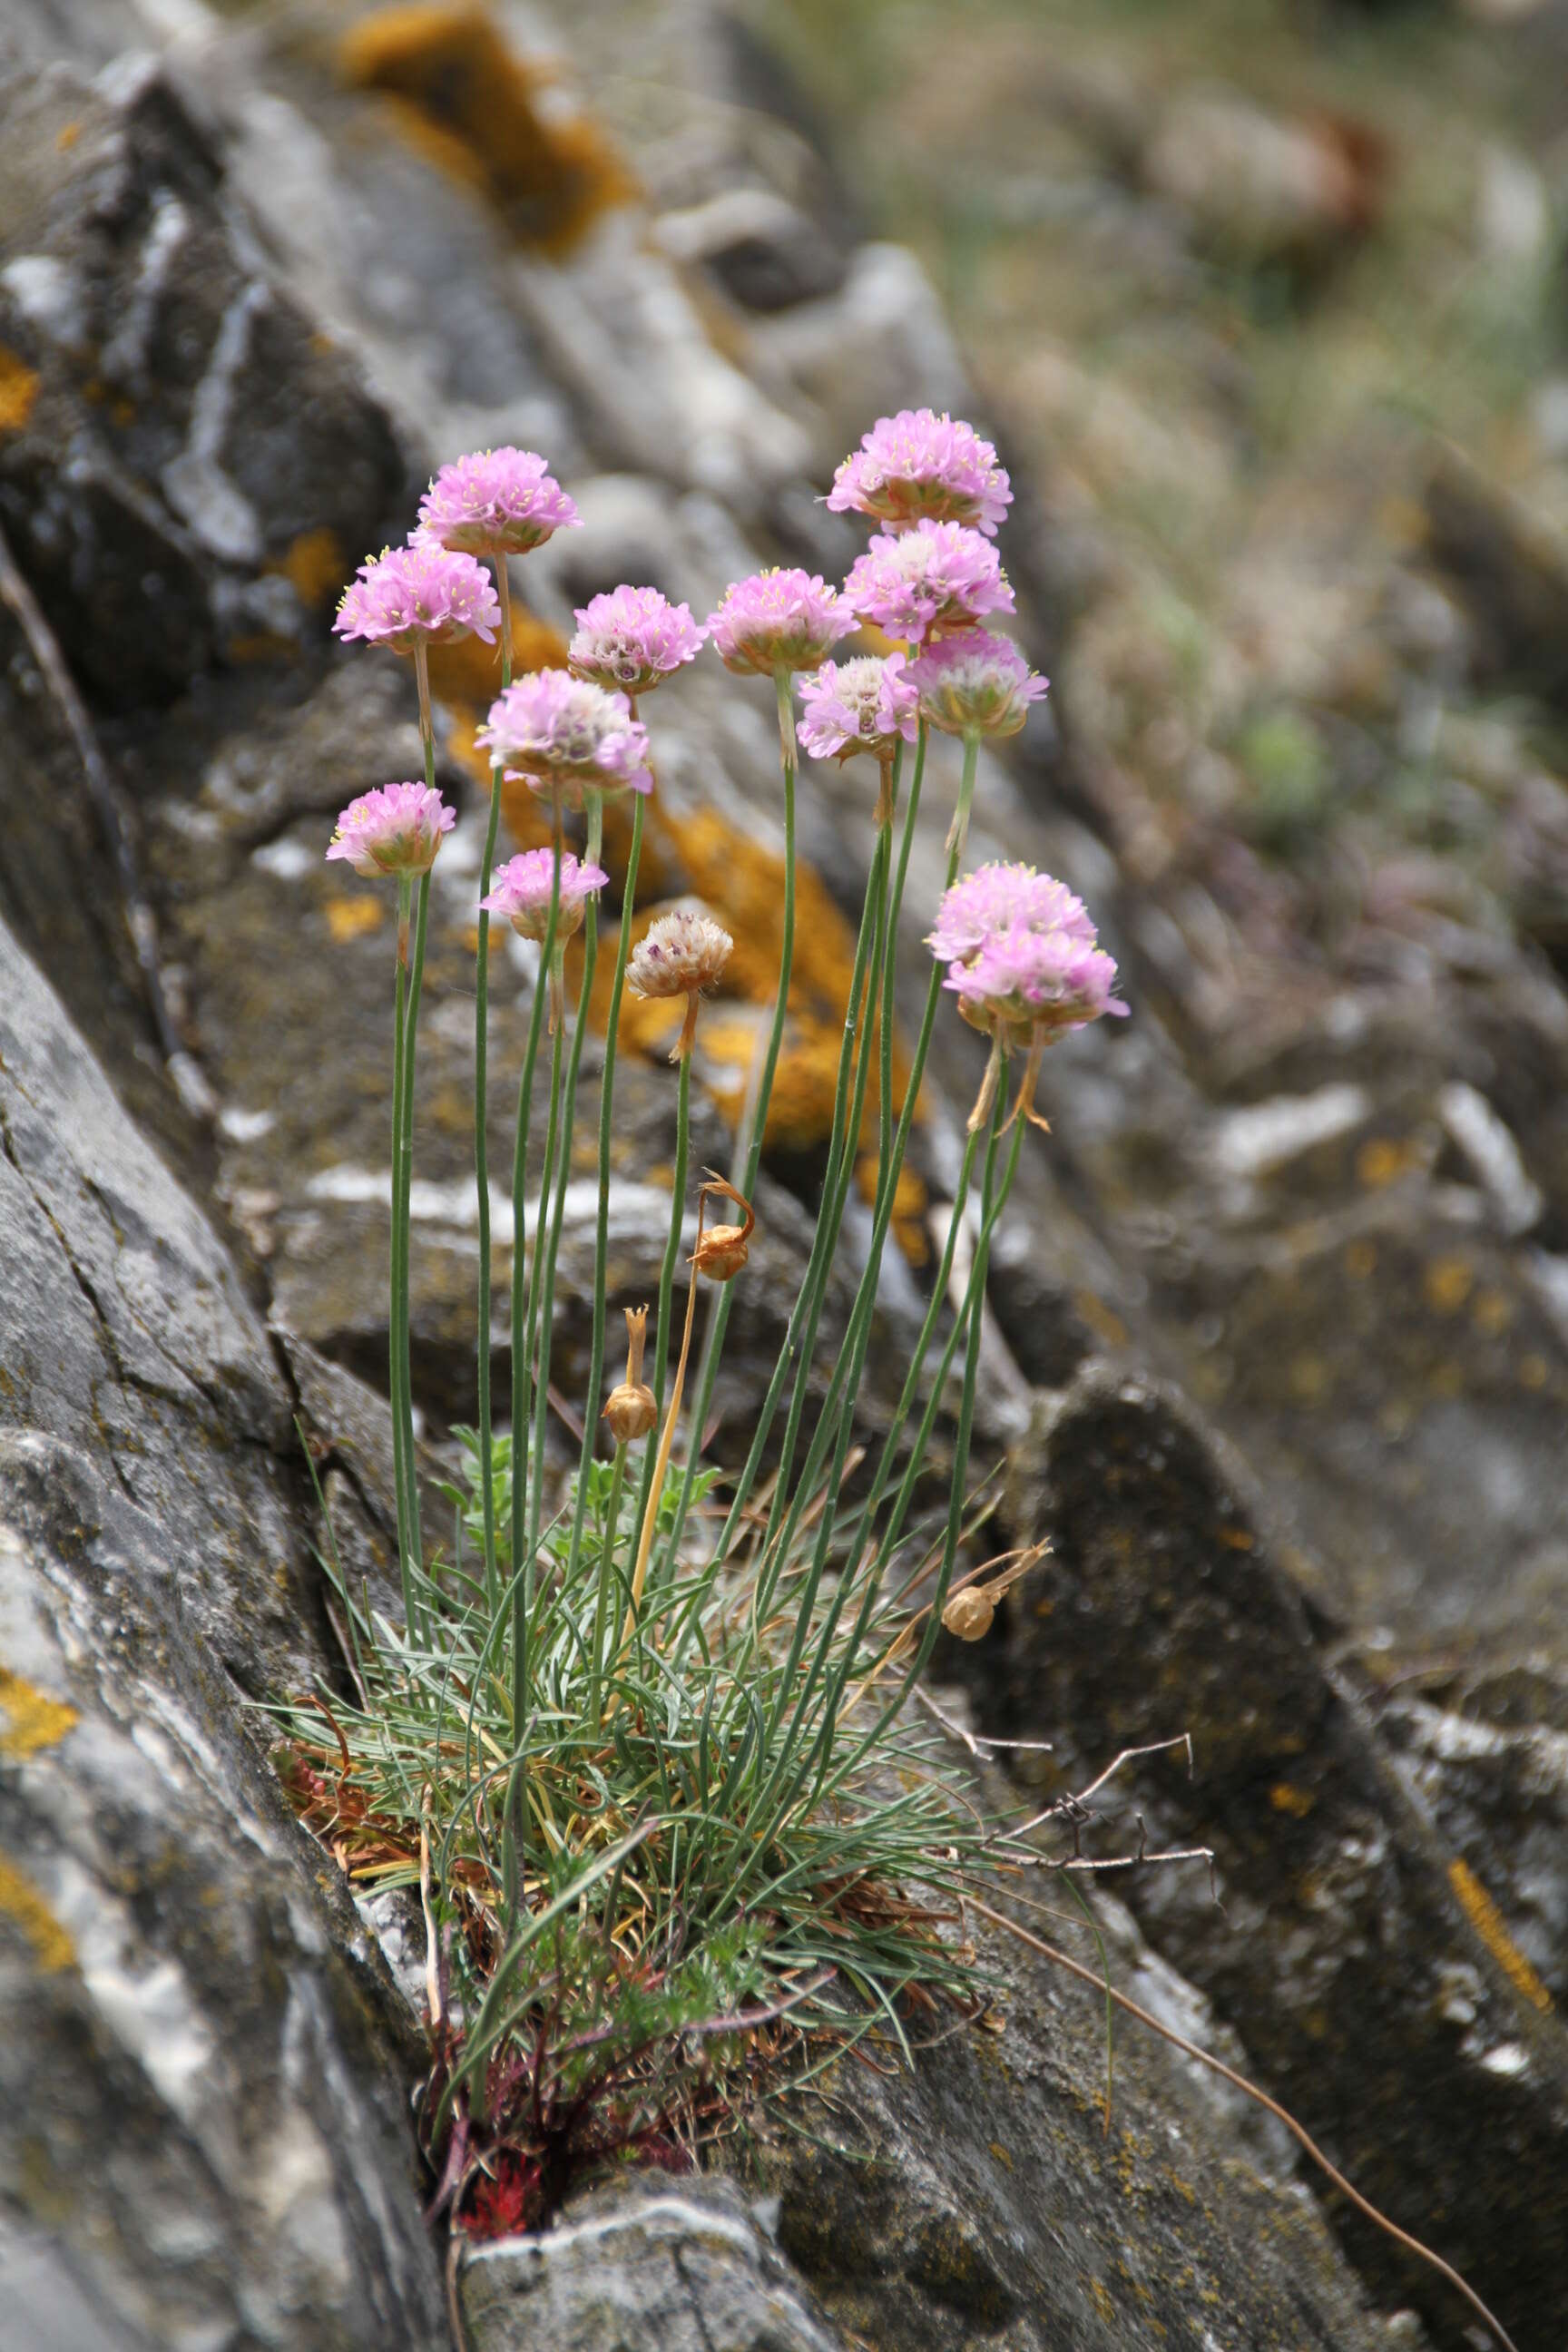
(969, 1614)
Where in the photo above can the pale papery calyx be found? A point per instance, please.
(779, 621)
(495, 502)
(632, 639)
(566, 736)
(918, 466)
(932, 579)
(422, 594)
(864, 705)
(681, 954)
(393, 831)
(525, 885)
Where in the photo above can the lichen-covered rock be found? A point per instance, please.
(200, 2139)
(1374, 1992)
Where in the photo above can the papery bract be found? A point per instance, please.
(495, 503)
(525, 885)
(679, 954)
(918, 466)
(864, 705)
(568, 736)
(631, 638)
(422, 593)
(779, 621)
(394, 830)
(935, 576)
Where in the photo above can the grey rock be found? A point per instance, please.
(680, 2268)
(201, 2141)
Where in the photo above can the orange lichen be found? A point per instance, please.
(19, 391)
(34, 1721)
(472, 106)
(315, 567)
(467, 674)
(1487, 1922)
(351, 918)
(21, 1902)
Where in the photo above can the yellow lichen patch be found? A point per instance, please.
(67, 136)
(472, 106)
(33, 1721)
(1237, 1539)
(1286, 1797)
(21, 1902)
(353, 918)
(1447, 1282)
(1102, 1320)
(1491, 1313)
(260, 645)
(1487, 1922)
(19, 391)
(1533, 1371)
(1381, 1159)
(315, 567)
(911, 1201)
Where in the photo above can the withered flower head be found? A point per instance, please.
(631, 1410)
(722, 1251)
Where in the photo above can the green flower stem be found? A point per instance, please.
(801, 1334)
(602, 1230)
(714, 1342)
(482, 1135)
(395, 1358)
(403, 1181)
(606, 1578)
(890, 972)
(671, 1258)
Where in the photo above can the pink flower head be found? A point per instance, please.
(421, 594)
(918, 466)
(524, 887)
(935, 576)
(495, 502)
(864, 705)
(1021, 955)
(632, 639)
(566, 735)
(975, 684)
(999, 898)
(779, 620)
(394, 830)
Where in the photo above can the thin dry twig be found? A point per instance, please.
(1240, 2083)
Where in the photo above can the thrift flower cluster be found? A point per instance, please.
(976, 681)
(497, 502)
(864, 705)
(916, 465)
(779, 621)
(421, 592)
(1021, 955)
(566, 735)
(933, 576)
(632, 639)
(525, 885)
(681, 954)
(394, 830)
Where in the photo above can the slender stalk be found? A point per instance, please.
(396, 1359)
(403, 1186)
(671, 1255)
(666, 1438)
(481, 1134)
(602, 1227)
(714, 1343)
(607, 1577)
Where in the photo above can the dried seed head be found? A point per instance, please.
(631, 1409)
(722, 1251)
(969, 1615)
(679, 954)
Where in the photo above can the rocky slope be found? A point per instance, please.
(1279, 1345)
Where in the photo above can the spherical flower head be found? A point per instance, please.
(779, 621)
(864, 705)
(681, 954)
(567, 736)
(1045, 984)
(918, 466)
(394, 830)
(495, 503)
(421, 594)
(975, 684)
(931, 578)
(632, 639)
(525, 885)
(999, 897)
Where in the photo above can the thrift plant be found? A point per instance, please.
(642, 1739)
